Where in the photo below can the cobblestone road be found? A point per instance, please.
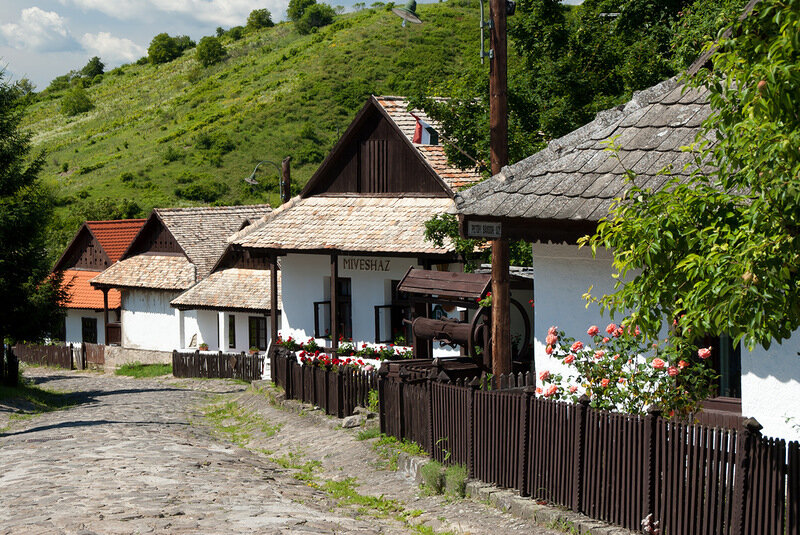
(136, 456)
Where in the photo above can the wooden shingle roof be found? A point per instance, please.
(230, 289)
(354, 224)
(573, 182)
(149, 271)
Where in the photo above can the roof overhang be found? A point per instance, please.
(533, 230)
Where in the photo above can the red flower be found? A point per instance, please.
(302, 354)
(618, 332)
(605, 382)
(553, 330)
(552, 389)
(673, 371)
(573, 389)
(606, 339)
(549, 350)
(615, 357)
(704, 352)
(577, 346)
(593, 330)
(569, 359)
(544, 376)
(538, 390)
(551, 339)
(621, 380)
(611, 328)
(658, 364)
(637, 332)
(599, 354)
(682, 364)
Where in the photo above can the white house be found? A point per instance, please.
(559, 194)
(231, 306)
(346, 241)
(96, 245)
(175, 249)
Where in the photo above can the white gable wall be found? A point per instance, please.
(148, 320)
(74, 325)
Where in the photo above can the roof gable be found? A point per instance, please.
(98, 244)
(115, 236)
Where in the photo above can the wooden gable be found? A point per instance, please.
(373, 157)
(84, 252)
(154, 238)
(235, 257)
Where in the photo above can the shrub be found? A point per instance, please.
(455, 480)
(172, 154)
(210, 51)
(183, 42)
(235, 33)
(127, 176)
(75, 101)
(93, 68)
(432, 477)
(202, 190)
(259, 18)
(162, 49)
(315, 16)
(297, 8)
(220, 31)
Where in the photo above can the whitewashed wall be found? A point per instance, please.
(74, 325)
(148, 320)
(302, 283)
(771, 387)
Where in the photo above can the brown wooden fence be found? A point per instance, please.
(618, 468)
(94, 355)
(56, 356)
(217, 365)
(338, 392)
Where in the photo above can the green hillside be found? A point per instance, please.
(180, 134)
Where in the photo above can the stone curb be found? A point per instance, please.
(503, 499)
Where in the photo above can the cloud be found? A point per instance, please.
(218, 12)
(111, 49)
(40, 31)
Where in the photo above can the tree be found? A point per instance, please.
(315, 16)
(75, 101)
(259, 18)
(722, 251)
(297, 8)
(210, 51)
(162, 49)
(30, 299)
(93, 68)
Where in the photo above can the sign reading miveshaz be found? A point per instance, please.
(365, 264)
(484, 229)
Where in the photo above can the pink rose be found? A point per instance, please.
(637, 332)
(593, 330)
(682, 364)
(573, 389)
(599, 354)
(553, 330)
(538, 389)
(618, 332)
(369, 367)
(552, 389)
(605, 382)
(615, 357)
(606, 339)
(673, 371)
(544, 376)
(704, 352)
(621, 380)
(549, 350)
(658, 364)
(577, 346)
(611, 328)
(551, 339)
(569, 359)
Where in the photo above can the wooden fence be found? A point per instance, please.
(694, 479)
(337, 392)
(217, 365)
(94, 355)
(9, 366)
(55, 356)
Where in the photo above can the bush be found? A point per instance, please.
(172, 154)
(202, 190)
(297, 8)
(432, 477)
(75, 101)
(162, 49)
(455, 480)
(93, 68)
(235, 33)
(260, 18)
(315, 16)
(210, 51)
(183, 42)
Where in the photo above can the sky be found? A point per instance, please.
(42, 39)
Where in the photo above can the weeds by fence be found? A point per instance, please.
(217, 365)
(619, 468)
(338, 392)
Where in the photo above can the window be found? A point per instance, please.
(89, 330)
(231, 331)
(344, 308)
(726, 359)
(258, 332)
(389, 326)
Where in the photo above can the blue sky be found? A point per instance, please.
(42, 39)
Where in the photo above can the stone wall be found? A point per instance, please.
(117, 356)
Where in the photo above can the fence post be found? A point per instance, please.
(287, 388)
(746, 438)
(401, 406)
(650, 432)
(431, 379)
(340, 392)
(580, 451)
(382, 401)
(71, 357)
(83, 356)
(473, 387)
(522, 475)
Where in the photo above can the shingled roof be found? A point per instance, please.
(230, 289)
(363, 224)
(202, 232)
(396, 109)
(149, 271)
(572, 183)
(82, 295)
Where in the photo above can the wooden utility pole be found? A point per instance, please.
(498, 118)
(273, 298)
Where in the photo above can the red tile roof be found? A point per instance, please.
(83, 295)
(115, 236)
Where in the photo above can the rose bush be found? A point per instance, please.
(624, 372)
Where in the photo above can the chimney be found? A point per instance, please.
(286, 180)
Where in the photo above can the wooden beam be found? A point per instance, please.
(334, 301)
(105, 315)
(273, 298)
(501, 309)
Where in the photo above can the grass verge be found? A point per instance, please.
(237, 425)
(139, 370)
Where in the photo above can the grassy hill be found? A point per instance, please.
(181, 134)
